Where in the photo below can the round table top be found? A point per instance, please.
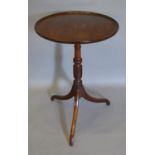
(76, 27)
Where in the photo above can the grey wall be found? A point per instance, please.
(104, 62)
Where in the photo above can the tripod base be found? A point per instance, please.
(78, 91)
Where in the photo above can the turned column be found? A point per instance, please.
(77, 68)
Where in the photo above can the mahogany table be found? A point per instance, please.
(77, 27)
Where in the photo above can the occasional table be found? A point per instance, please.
(77, 27)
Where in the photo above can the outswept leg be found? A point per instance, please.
(74, 119)
(86, 96)
(65, 97)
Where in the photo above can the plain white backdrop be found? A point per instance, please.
(140, 78)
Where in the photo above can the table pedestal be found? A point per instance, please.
(78, 91)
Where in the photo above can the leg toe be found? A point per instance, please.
(107, 102)
(52, 98)
(71, 141)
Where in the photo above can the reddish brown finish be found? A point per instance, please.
(73, 126)
(79, 28)
(76, 27)
(78, 91)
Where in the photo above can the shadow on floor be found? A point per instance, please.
(59, 74)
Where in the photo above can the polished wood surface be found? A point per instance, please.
(76, 27)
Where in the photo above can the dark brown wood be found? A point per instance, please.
(76, 27)
(78, 90)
